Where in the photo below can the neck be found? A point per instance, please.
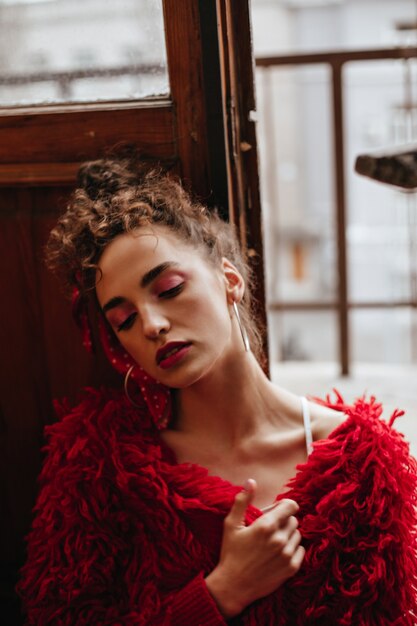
(230, 403)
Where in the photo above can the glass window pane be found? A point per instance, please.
(382, 233)
(56, 51)
(303, 336)
(295, 142)
(384, 336)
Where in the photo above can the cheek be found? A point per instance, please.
(131, 342)
(212, 314)
(141, 356)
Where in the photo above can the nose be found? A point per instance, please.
(154, 322)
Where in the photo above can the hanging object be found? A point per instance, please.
(395, 167)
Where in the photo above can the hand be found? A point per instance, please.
(255, 560)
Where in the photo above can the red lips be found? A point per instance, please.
(167, 348)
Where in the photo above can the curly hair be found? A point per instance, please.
(116, 196)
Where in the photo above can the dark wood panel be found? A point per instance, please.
(42, 359)
(240, 114)
(37, 173)
(77, 135)
(23, 386)
(42, 354)
(185, 67)
(68, 366)
(249, 158)
(53, 174)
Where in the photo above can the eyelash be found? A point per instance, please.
(169, 293)
(127, 323)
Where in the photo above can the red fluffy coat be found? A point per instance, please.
(123, 535)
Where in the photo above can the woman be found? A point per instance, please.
(180, 502)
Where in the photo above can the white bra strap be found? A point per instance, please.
(307, 424)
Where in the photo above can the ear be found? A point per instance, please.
(235, 285)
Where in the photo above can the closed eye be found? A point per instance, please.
(127, 323)
(171, 293)
(168, 293)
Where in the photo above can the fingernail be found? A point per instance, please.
(248, 486)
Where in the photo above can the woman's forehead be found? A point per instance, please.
(131, 255)
(144, 242)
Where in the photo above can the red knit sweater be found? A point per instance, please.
(123, 535)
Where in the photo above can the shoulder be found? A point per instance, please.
(96, 449)
(357, 495)
(325, 420)
(91, 431)
(363, 449)
(103, 409)
(359, 424)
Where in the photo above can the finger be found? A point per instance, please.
(236, 516)
(280, 514)
(290, 526)
(297, 559)
(292, 543)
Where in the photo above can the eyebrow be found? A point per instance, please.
(147, 279)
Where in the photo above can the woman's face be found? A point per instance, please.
(168, 306)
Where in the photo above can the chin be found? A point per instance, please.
(179, 380)
(186, 375)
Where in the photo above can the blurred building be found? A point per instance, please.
(90, 49)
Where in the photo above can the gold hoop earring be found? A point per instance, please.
(126, 381)
(243, 332)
